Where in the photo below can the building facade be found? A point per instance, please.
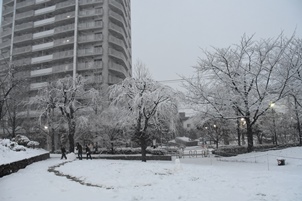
(49, 39)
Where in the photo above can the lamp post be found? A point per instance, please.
(272, 105)
(216, 137)
(242, 123)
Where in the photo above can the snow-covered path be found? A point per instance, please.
(192, 179)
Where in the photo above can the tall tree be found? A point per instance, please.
(8, 81)
(146, 101)
(293, 59)
(68, 96)
(243, 79)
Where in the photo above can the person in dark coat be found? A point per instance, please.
(80, 150)
(63, 151)
(88, 152)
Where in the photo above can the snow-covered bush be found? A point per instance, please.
(21, 140)
(12, 145)
(129, 150)
(156, 151)
(19, 148)
(33, 144)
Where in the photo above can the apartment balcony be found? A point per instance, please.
(7, 21)
(22, 74)
(64, 5)
(22, 50)
(118, 68)
(114, 80)
(42, 46)
(119, 43)
(44, 22)
(90, 25)
(63, 68)
(87, 2)
(65, 16)
(43, 34)
(41, 72)
(45, 10)
(25, 15)
(64, 41)
(63, 54)
(25, 3)
(42, 59)
(4, 56)
(90, 52)
(25, 37)
(93, 79)
(89, 65)
(6, 32)
(22, 62)
(119, 55)
(120, 19)
(7, 1)
(24, 26)
(117, 6)
(36, 86)
(62, 29)
(118, 30)
(7, 10)
(42, 1)
(5, 44)
(89, 13)
(90, 38)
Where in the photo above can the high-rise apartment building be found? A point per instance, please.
(48, 39)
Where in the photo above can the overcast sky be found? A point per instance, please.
(167, 35)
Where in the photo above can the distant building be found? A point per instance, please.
(50, 39)
(187, 122)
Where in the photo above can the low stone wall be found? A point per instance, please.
(235, 150)
(133, 157)
(10, 168)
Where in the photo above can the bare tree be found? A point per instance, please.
(241, 81)
(8, 82)
(294, 88)
(68, 96)
(146, 101)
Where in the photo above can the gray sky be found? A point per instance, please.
(167, 35)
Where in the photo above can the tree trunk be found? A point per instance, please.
(249, 132)
(298, 122)
(52, 140)
(143, 147)
(238, 131)
(71, 132)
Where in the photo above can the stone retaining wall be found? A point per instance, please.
(10, 168)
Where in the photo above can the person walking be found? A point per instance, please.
(88, 152)
(80, 150)
(63, 151)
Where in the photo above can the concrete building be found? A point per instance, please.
(49, 39)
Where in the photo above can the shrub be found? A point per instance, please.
(33, 144)
(21, 140)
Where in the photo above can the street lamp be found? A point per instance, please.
(242, 123)
(272, 105)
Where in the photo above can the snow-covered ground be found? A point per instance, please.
(248, 177)
(8, 155)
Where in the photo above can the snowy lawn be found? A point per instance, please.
(191, 179)
(7, 155)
